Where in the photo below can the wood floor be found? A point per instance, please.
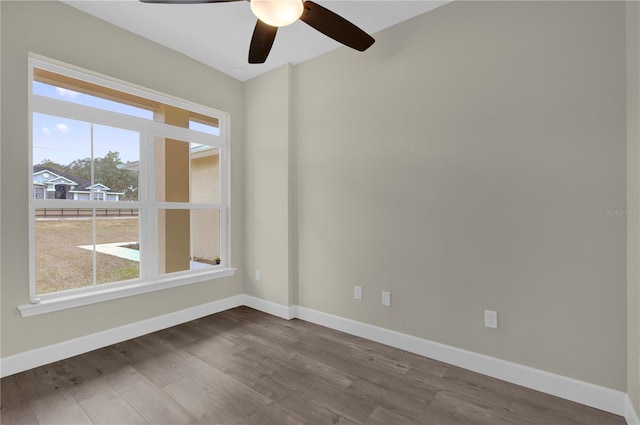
(246, 367)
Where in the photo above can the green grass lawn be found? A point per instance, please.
(60, 264)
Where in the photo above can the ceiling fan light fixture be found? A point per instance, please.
(273, 14)
(277, 13)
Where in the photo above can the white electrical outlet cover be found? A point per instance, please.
(386, 298)
(491, 319)
(357, 292)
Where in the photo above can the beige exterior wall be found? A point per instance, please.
(51, 29)
(205, 187)
(175, 165)
(205, 178)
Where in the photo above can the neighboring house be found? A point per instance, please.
(49, 184)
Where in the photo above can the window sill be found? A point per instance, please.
(107, 294)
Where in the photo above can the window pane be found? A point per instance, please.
(205, 174)
(206, 239)
(117, 246)
(204, 128)
(116, 163)
(62, 160)
(64, 249)
(61, 157)
(172, 170)
(173, 240)
(68, 95)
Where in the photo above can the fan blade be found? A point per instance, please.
(261, 42)
(186, 1)
(335, 26)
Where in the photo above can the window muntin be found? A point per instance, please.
(116, 261)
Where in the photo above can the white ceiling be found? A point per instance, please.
(218, 35)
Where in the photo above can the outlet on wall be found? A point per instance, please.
(357, 292)
(386, 298)
(491, 319)
(258, 275)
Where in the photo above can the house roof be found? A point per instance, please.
(81, 184)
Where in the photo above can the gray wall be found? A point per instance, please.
(466, 163)
(58, 31)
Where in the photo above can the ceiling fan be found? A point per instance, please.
(273, 14)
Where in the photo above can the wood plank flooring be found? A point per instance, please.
(246, 367)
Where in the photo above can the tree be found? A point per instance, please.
(105, 171)
(53, 166)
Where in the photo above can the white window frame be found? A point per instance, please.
(150, 280)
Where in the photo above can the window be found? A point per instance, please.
(128, 187)
(38, 192)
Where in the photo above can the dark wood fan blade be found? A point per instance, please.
(335, 26)
(261, 42)
(186, 1)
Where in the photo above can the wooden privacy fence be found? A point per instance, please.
(85, 212)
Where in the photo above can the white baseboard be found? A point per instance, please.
(41, 356)
(582, 392)
(269, 307)
(630, 413)
(603, 398)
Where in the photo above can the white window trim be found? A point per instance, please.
(148, 129)
(62, 302)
